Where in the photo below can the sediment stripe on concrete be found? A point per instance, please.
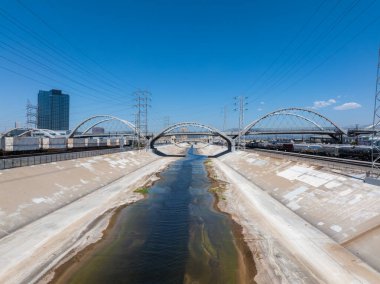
(38, 246)
(325, 258)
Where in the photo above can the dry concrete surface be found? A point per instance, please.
(304, 222)
(174, 149)
(50, 211)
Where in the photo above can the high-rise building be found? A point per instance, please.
(53, 110)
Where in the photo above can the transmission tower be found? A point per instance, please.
(224, 110)
(142, 103)
(241, 107)
(166, 121)
(31, 115)
(375, 170)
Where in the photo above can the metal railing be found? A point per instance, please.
(15, 162)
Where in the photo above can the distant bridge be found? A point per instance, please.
(205, 133)
(361, 131)
(294, 121)
(291, 121)
(92, 127)
(211, 131)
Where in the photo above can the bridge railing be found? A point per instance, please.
(291, 129)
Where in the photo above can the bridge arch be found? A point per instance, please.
(96, 120)
(213, 131)
(315, 123)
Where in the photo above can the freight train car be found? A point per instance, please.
(331, 150)
(25, 145)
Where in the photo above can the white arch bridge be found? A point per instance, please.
(104, 125)
(184, 131)
(292, 121)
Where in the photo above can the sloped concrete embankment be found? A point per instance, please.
(51, 211)
(296, 220)
(28, 193)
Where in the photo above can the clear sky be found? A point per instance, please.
(194, 56)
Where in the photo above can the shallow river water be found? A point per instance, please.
(173, 236)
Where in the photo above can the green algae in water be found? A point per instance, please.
(142, 190)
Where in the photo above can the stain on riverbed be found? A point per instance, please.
(175, 235)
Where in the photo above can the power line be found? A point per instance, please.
(33, 60)
(40, 82)
(26, 57)
(61, 54)
(300, 31)
(41, 40)
(270, 88)
(280, 69)
(49, 69)
(31, 70)
(48, 85)
(69, 42)
(12, 49)
(61, 58)
(23, 75)
(300, 62)
(332, 55)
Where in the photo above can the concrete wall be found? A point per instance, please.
(43, 159)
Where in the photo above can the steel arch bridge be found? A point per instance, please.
(293, 121)
(83, 128)
(211, 131)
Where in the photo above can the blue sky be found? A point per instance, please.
(193, 56)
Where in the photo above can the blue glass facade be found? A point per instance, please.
(53, 110)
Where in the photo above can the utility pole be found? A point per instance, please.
(142, 103)
(31, 115)
(241, 107)
(375, 123)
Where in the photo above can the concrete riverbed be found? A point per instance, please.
(302, 222)
(172, 236)
(49, 212)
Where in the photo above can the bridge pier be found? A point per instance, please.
(232, 147)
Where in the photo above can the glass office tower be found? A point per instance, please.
(53, 110)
